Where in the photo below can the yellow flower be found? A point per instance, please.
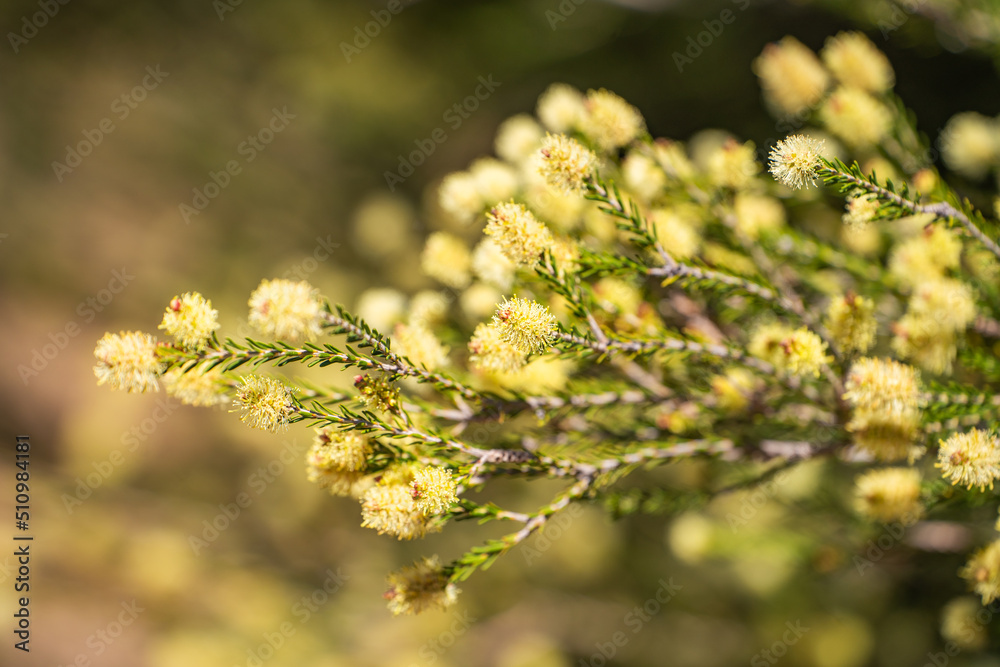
(757, 214)
(796, 351)
(733, 165)
(489, 352)
(344, 450)
(547, 374)
(525, 324)
(791, 75)
(265, 403)
(520, 236)
(417, 343)
(381, 307)
(491, 265)
(938, 312)
(338, 482)
(197, 387)
(428, 307)
(883, 385)
(459, 196)
(128, 362)
(643, 177)
(421, 586)
(377, 392)
(983, 572)
(495, 180)
(561, 107)
(855, 61)
(795, 159)
(885, 397)
(861, 211)
(972, 459)
(190, 319)
(566, 165)
(676, 232)
(970, 144)
(433, 490)
(856, 117)
(891, 494)
(851, 321)
(517, 138)
(390, 508)
(733, 389)
(610, 122)
(959, 624)
(337, 460)
(929, 254)
(446, 258)
(287, 310)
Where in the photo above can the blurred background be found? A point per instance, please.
(118, 122)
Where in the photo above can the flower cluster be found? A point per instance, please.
(421, 586)
(851, 322)
(885, 397)
(629, 302)
(128, 362)
(338, 459)
(795, 351)
(520, 236)
(527, 325)
(286, 310)
(263, 402)
(971, 459)
(891, 494)
(190, 319)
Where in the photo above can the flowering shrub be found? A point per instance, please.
(641, 302)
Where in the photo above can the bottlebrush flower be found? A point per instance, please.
(433, 490)
(190, 319)
(891, 494)
(128, 362)
(521, 237)
(971, 458)
(794, 161)
(566, 164)
(264, 402)
(983, 572)
(287, 310)
(423, 585)
(527, 325)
